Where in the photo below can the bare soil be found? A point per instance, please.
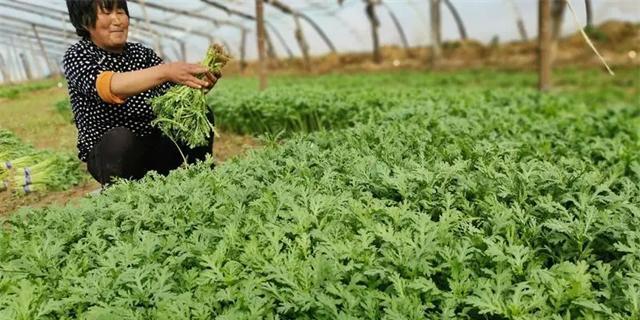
(614, 39)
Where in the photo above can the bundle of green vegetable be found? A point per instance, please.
(182, 112)
(25, 169)
(18, 164)
(10, 148)
(55, 173)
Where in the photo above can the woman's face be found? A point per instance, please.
(110, 32)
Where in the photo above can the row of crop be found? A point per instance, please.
(339, 102)
(302, 110)
(63, 109)
(308, 109)
(24, 169)
(14, 91)
(497, 204)
(332, 102)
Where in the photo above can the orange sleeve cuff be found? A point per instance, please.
(103, 85)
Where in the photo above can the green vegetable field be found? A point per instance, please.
(376, 196)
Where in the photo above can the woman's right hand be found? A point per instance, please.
(185, 73)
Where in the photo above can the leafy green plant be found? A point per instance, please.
(466, 204)
(182, 113)
(63, 108)
(14, 91)
(333, 102)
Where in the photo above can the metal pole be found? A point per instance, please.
(25, 65)
(544, 38)
(396, 22)
(436, 50)
(519, 22)
(302, 42)
(457, 18)
(370, 10)
(66, 32)
(36, 58)
(6, 41)
(176, 54)
(286, 9)
(589, 8)
(262, 69)
(148, 23)
(183, 50)
(43, 50)
(243, 50)
(6, 76)
(16, 61)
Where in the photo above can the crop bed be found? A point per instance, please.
(396, 202)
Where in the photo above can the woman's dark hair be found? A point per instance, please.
(83, 13)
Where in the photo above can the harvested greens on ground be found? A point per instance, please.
(24, 169)
(182, 112)
(56, 172)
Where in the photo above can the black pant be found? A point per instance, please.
(122, 154)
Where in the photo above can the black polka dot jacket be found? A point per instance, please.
(82, 63)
